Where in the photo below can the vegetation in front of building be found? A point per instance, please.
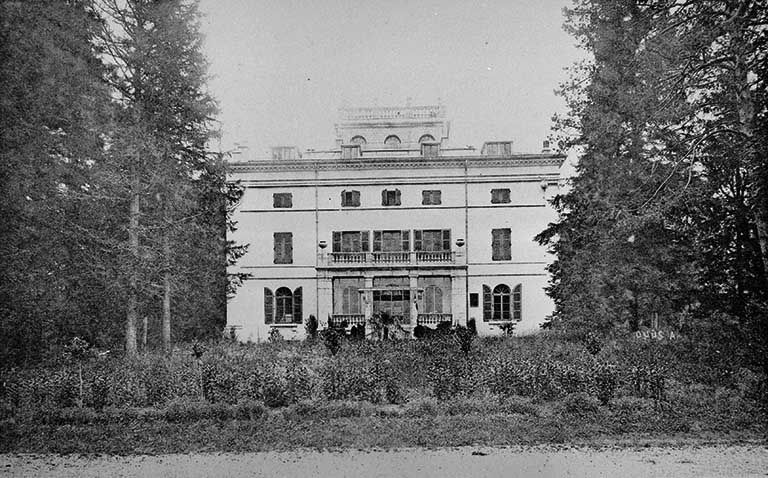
(544, 388)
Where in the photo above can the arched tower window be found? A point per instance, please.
(392, 140)
(358, 140)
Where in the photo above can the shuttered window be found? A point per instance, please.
(390, 197)
(269, 306)
(501, 244)
(283, 307)
(487, 304)
(432, 240)
(350, 198)
(351, 241)
(431, 197)
(282, 200)
(500, 196)
(391, 241)
(297, 303)
(283, 248)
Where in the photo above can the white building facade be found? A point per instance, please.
(393, 221)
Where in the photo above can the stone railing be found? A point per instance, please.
(433, 319)
(388, 258)
(339, 320)
(392, 112)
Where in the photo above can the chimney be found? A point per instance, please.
(545, 148)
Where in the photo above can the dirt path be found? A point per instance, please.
(690, 461)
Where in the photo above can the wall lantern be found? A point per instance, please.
(543, 185)
(460, 242)
(323, 244)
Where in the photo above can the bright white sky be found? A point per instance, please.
(282, 68)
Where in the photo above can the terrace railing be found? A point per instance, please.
(388, 258)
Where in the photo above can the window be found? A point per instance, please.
(430, 150)
(350, 198)
(433, 300)
(283, 248)
(350, 151)
(392, 140)
(497, 303)
(350, 241)
(426, 138)
(358, 140)
(391, 241)
(282, 306)
(431, 197)
(350, 301)
(390, 197)
(474, 299)
(432, 240)
(499, 196)
(282, 200)
(501, 244)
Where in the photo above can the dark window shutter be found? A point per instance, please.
(397, 197)
(517, 302)
(507, 244)
(289, 248)
(495, 244)
(406, 239)
(425, 195)
(384, 198)
(336, 241)
(446, 239)
(364, 241)
(344, 201)
(417, 240)
(376, 241)
(297, 305)
(269, 306)
(487, 305)
(355, 198)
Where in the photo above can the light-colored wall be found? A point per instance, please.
(526, 215)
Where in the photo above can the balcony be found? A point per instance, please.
(388, 258)
(433, 319)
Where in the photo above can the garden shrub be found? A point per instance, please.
(422, 408)
(518, 405)
(606, 379)
(579, 404)
(310, 327)
(331, 339)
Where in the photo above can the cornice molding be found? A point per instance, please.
(551, 179)
(397, 163)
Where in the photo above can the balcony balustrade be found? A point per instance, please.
(433, 319)
(339, 320)
(388, 258)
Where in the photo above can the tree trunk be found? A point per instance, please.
(144, 334)
(167, 295)
(133, 246)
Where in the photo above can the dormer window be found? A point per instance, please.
(392, 141)
(350, 151)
